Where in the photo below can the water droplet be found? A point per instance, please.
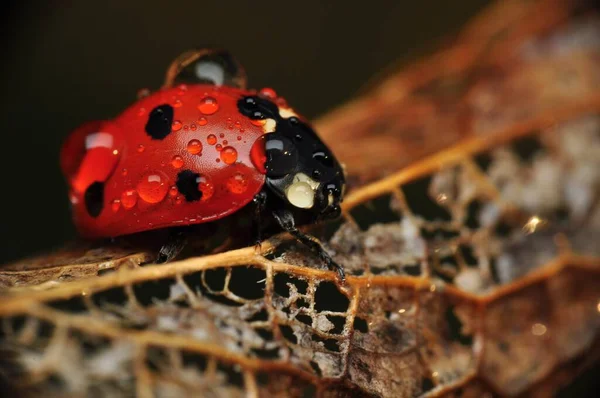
(230, 126)
(153, 187)
(194, 147)
(268, 92)
(124, 172)
(208, 105)
(211, 139)
(229, 155)
(177, 103)
(258, 155)
(185, 127)
(141, 111)
(225, 142)
(141, 148)
(115, 205)
(219, 147)
(222, 135)
(218, 160)
(173, 191)
(178, 200)
(193, 127)
(238, 125)
(237, 183)
(143, 93)
(239, 137)
(177, 162)
(129, 198)
(176, 125)
(206, 187)
(202, 121)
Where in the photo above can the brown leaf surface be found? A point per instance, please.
(473, 270)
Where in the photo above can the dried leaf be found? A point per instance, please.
(472, 270)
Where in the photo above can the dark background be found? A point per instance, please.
(67, 62)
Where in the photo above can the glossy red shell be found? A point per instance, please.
(138, 174)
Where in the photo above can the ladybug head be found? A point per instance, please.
(300, 169)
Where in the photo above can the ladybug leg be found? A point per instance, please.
(286, 220)
(175, 243)
(260, 202)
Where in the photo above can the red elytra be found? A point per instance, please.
(123, 180)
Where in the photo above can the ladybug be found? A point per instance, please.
(197, 150)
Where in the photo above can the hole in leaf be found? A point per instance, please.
(483, 160)
(316, 368)
(272, 353)
(338, 324)
(194, 360)
(374, 211)
(234, 377)
(281, 281)
(455, 328)
(419, 201)
(305, 319)
(116, 296)
(427, 384)
(74, 304)
(149, 292)
(329, 298)
(248, 282)
(361, 325)
(527, 147)
(288, 334)
(215, 278)
(329, 344)
(412, 270)
(265, 334)
(468, 255)
(262, 315)
(472, 216)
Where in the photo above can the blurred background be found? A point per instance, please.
(68, 62)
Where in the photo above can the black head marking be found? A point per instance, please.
(187, 185)
(94, 198)
(160, 121)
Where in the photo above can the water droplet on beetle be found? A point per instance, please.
(173, 191)
(193, 127)
(115, 205)
(268, 92)
(176, 125)
(177, 103)
(222, 135)
(208, 105)
(141, 148)
(258, 154)
(211, 139)
(206, 187)
(194, 147)
(202, 121)
(225, 142)
(129, 198)
(237, 183)
(229, 155)
(153, 187)
(219, 147)
(177, 162)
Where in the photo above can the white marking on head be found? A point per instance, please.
(269, 126)
(301, 195)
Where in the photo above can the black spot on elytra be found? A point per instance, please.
(94, 198)
(160, 121)
(187, 184)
